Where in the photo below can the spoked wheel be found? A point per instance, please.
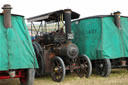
(103, 67)
(28, 77)
(58, 69)
(39, 55)
(85, 66)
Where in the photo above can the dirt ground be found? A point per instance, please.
(117, 77)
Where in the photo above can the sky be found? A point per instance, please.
(85, 8)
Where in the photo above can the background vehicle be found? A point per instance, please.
(104, 40)
(17, 56)
(55, 51)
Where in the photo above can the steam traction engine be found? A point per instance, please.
(55, 51)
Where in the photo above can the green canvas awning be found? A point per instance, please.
(98, 37)
(16, 50)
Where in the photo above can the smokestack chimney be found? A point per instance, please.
(117, 19)
(67, 17)
(7, 15)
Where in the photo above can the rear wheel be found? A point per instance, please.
(39, 55)
(58, 69)
(103, 67)
(85, 66)
(28, 78)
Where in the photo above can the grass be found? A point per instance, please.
(117, 77)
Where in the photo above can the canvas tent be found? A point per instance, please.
(99, 38)
(16, 50)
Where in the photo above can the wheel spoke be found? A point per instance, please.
(85, 66)
(58, 71)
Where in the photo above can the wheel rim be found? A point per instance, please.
(85, 66)
(39, 71)
(28, 77)
(57, 70)
(39, 55)
(103, 67)
(23, 79)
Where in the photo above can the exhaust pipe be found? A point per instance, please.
(117, 19)
(7, 15)
(67, 17)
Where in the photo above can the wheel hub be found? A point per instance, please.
(101, 65)
(56, 69)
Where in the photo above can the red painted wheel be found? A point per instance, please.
(28, 78)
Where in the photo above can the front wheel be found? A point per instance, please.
(57, 69)
(85, 66)
(103, 67)
(28, 77)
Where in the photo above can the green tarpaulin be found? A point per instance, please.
(99, 37)
(16, 50)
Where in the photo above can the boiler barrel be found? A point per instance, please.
(68, 50)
